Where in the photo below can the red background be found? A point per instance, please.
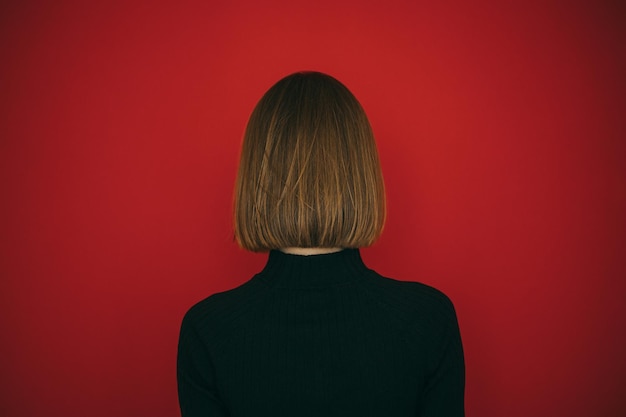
(501, 131)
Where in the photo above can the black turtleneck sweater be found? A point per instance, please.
(321, 336)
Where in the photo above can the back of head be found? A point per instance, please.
(309, 174)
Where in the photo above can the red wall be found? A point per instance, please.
(501, 131)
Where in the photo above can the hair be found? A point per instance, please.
(309, 174)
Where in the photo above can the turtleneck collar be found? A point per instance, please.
(285, 270)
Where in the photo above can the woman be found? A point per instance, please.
(317, 333)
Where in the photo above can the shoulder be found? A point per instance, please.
(414, 301)
(411, 291)
(225, 305)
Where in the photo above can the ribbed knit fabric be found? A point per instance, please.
(321, 336)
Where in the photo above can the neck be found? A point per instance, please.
(309, 251)
(286, 270)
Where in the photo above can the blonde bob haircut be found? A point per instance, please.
(309, 174)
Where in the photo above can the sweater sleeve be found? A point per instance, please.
(197, 393)
(444, 393)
